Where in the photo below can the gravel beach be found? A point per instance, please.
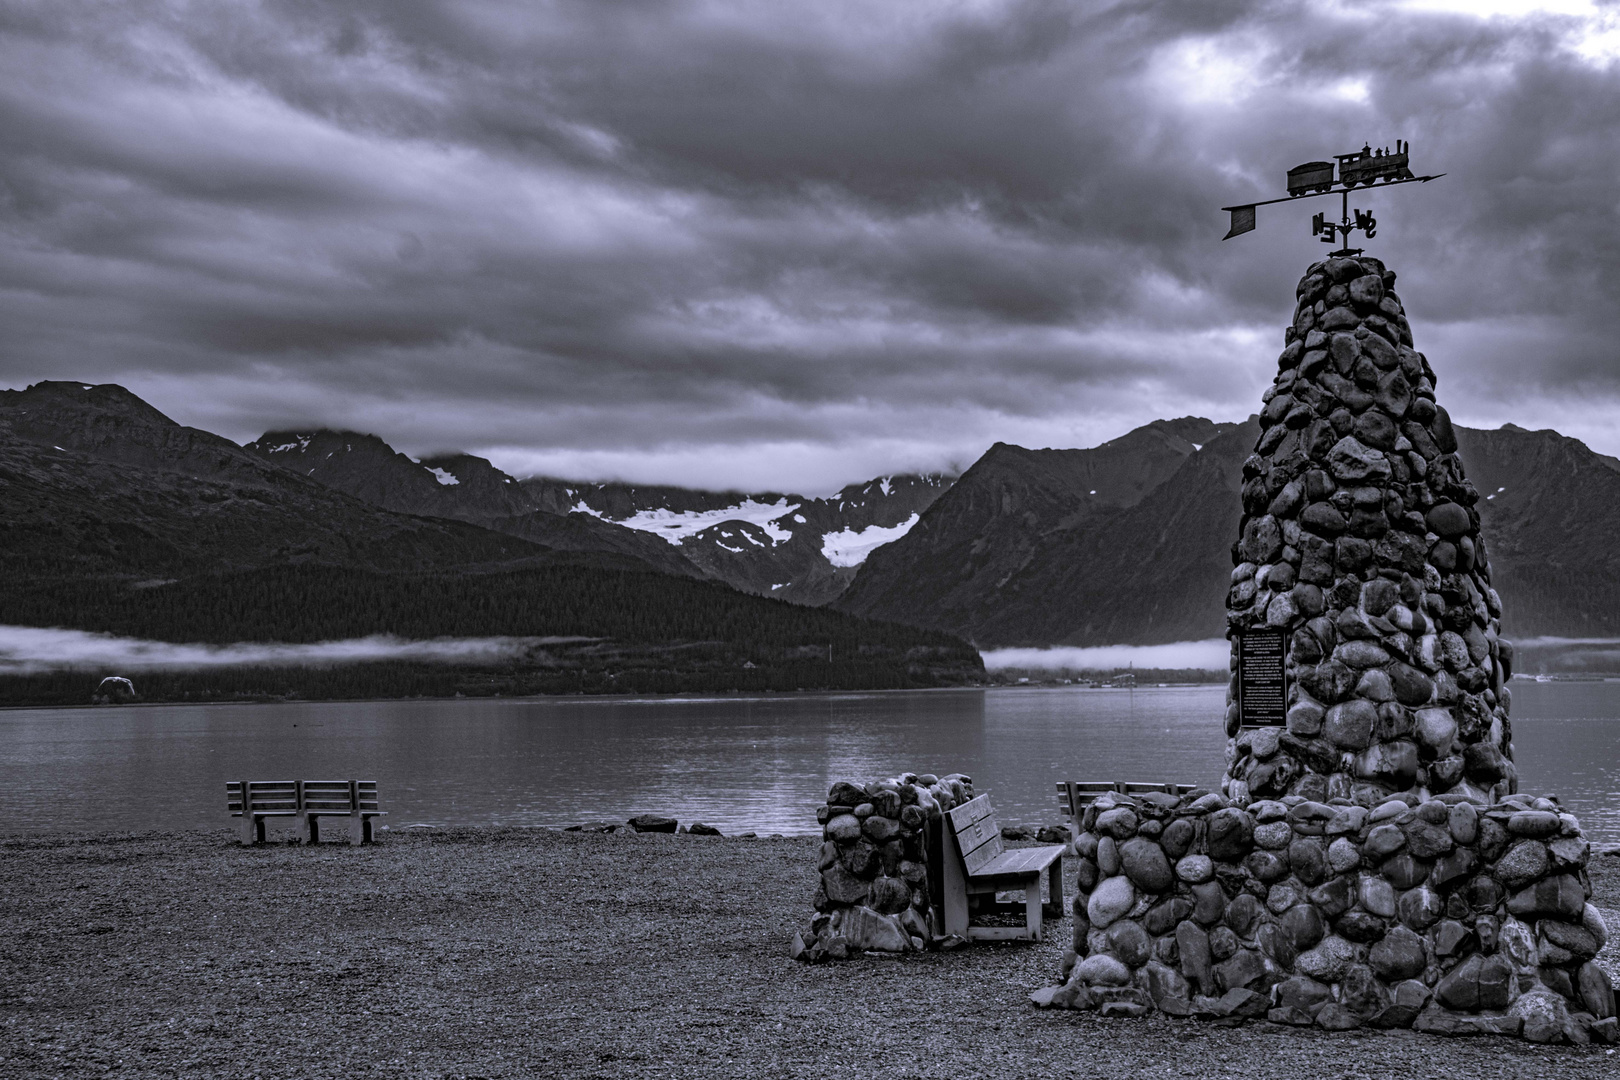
(528, 952)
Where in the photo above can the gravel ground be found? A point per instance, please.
(516, 952)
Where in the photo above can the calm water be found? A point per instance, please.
(760, 764)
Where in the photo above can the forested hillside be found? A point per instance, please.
(601, 631)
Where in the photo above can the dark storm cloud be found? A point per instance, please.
(785, 245)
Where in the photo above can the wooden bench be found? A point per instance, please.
(1075, 795)
(307, 799)
(974, 867)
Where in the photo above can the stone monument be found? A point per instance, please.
(1369, 861)
(1361, 563)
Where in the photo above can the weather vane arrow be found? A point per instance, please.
(1361, 168)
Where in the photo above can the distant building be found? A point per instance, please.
(114, 690)
(1127, 679)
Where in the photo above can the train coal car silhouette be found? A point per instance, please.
(1363, 167)
(1309, 177)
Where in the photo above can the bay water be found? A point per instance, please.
(756, 764)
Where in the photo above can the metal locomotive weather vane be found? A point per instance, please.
(1362, 168)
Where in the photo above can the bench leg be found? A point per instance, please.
(955, 890)
(1054, 891)
(247, 827)
(258, 829)
(314, 828)
(357, 829)
(1032, 907)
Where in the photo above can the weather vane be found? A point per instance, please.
(1362, 168)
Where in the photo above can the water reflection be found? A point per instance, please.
(744, 764)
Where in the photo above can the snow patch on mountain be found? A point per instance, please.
(444, 476)
(299, 443)
(851, 546)
(678, 527)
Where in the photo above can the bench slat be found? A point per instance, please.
(972, 860)
(1020, 861)
(976, 809)
(976, 859)
(977, 834)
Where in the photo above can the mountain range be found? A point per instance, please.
(1124, 543)
(787, 546)
(116, 519)
(1031, 548)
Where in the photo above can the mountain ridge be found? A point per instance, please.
(777, 544)
(1065, 571)
(1123, 543)
(96, 481)
(117, 519)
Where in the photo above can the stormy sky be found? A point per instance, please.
(761, 244)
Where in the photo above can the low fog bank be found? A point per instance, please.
(1211, 655)
(1574, 656)
(33, 650)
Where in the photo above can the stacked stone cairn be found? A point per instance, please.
(1437, 914)
(1360, 541)
(873, 892)
(1370, 863)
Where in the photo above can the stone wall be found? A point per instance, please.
(1438, 914)
(1360, 541)
(873, 892)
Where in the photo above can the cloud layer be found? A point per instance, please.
(782, 245)
(1211, 655)
(30, 650)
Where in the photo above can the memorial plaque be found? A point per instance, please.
(1262, 686)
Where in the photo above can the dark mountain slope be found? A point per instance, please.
(952, 568)
(1550, 516)
(95, 481)
(1016, 554)
(458, 486)
(1154, 572)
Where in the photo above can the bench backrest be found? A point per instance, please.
(300, 796)
(1075, 795)
(978, 836)
(335, 795)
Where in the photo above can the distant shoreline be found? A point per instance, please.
(728, 695)
(739, 695)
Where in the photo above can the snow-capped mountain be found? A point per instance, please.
(788, 546)
(457, 486)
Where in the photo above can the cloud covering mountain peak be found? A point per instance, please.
(745, 245)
